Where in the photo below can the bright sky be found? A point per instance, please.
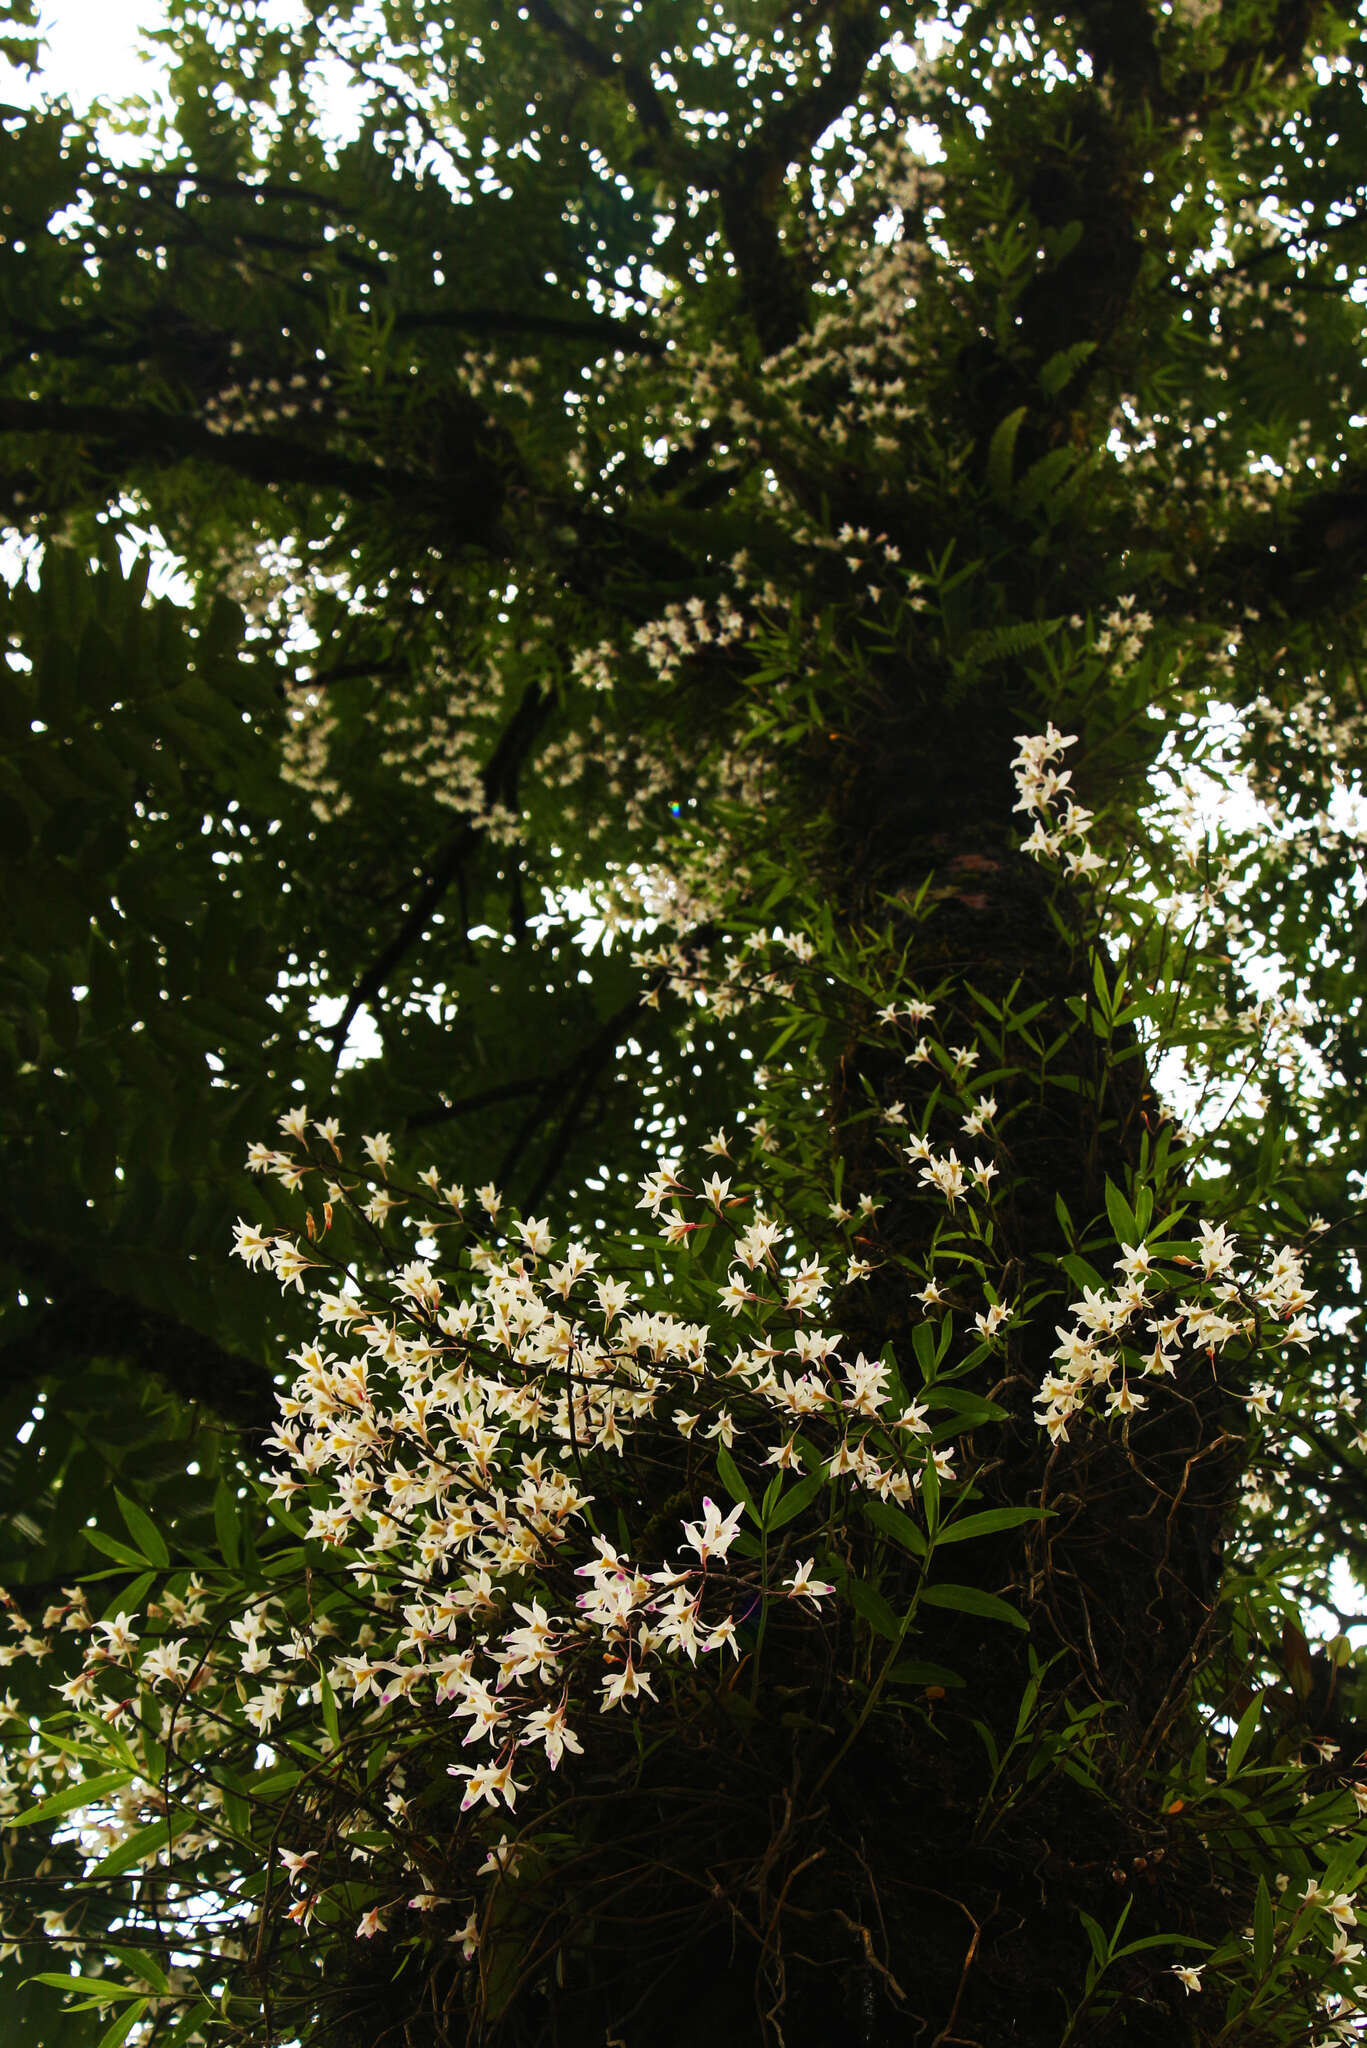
(91, 49)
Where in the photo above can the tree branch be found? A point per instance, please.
(1313, 559)
(172, 336)
(583, 1071)
(615, 334)
(748, 187)
(234, 188)
(69, 342)
(166, 437)
(594, 1061)
(89, 1321)
(791, 129)
(487, 1098)
(645, 101)
(499, 780)
(131, 438)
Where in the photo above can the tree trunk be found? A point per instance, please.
(898, 1890)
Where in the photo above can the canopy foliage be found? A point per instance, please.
(539, 536)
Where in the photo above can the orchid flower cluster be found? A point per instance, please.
(1174, 1301)
(443, 1458)
(572, 1354)
(453, 1443)
(1060, 827)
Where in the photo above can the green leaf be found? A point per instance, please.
(99, 1989)
(870, 1604)
(930, 1493)
(1243, 1735)
(915, 1671)
(71, 1796)
(107, 1737)
(988, 1523)
(729, 1474)
(789, 1031)
(1059, 368)
(327, 1700)
(896, 1523)
(1121, 1215)
(1100, 1945)
(143, 1965)
(130, 1598)
(143, 1531)
(157, 1834)
(1262, 1927)
(1001, 452)
(973, 1408)
(923, 1345)
(110, 1546)
(1051, 482)
(187, 2027)
(276, 1782)
(972, 1600)
(122, 2025)
(795, 1500)
(1080, 1272)
(227, 1523)
(236, 1810)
